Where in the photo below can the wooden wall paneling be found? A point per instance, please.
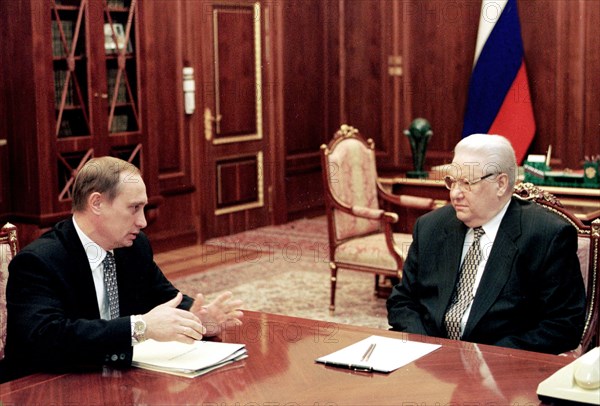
(164, 31)
(273, 93)
(4, 155)
(167, 125)
(234, 66)
(441, 44)
(542, 28)
(591, 82)
(333, 32)
(366, 95)
(569, 135)
(304, 75)
(4, 179)
(562, 61)
(305, 100)
(25, 96)
(238, 181)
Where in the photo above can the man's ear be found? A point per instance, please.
(95, 201)
(502, 180)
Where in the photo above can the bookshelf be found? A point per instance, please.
(77, 95)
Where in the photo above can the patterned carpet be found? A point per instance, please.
(284, 269)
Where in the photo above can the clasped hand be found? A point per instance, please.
(168, 323)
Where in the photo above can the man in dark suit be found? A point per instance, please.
(63, 313)
(525, 288)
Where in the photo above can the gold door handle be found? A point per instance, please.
(209, 119)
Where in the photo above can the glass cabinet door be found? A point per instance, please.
(70, 65)
(96, 84)
(121, 65)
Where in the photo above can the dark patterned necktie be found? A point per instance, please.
(463, 294)
(110, 284)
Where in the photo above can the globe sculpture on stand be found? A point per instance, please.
(418, 134)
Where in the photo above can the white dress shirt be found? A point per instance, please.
(486, 242)
(95, 255)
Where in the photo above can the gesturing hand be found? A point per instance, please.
(168, 323)
(218, 314)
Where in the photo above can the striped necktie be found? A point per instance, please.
(110, 284)
(463, 295)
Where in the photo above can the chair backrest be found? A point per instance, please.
(350, 179)
(8, 249)
(588, 252)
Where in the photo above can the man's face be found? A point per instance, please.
(123, 218)
(477, 206)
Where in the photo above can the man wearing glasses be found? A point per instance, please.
(489, 268)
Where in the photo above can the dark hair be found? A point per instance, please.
(100, 175)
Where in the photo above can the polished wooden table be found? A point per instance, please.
(280, 370)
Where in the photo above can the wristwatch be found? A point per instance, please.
(138, 328)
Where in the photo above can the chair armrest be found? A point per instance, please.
(415, 202)
(361, 211)
(374, 214)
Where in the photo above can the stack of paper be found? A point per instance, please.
(379, 354)
(189, 360)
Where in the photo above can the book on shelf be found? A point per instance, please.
(65, 128)
(60, 79)
(188, 360)
(114, 39)
(120, 123)
(58, 47)
(115, 3)
(111, 80)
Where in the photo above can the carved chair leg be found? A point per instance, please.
(376, 285)
(333, 268)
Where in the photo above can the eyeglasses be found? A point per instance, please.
(464, 183)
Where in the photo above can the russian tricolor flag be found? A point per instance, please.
(499, 100)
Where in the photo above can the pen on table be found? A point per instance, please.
(368, 353)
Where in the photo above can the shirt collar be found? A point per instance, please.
(491, 227)
(95, 253)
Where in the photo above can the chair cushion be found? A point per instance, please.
(583, 253)
(372, 251)
(5, 257)
(354, 177)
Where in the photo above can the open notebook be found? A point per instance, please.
(189, 360)
(378, 354)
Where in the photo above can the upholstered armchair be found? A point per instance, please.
(8, 249)
(360, 232)
(588, 252)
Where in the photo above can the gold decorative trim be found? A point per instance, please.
(10, 235)
(256, 8)
(595, 241)
(347, 131)
(261, 194)
(528, 191)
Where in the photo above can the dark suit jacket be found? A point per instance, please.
(531, 295)
(53, 318)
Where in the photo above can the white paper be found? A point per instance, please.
(389, 354)
(186, 359)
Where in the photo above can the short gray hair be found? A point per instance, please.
(496, 153)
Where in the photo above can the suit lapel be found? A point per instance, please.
(80, 270)
(449, 265)
(498, 268)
